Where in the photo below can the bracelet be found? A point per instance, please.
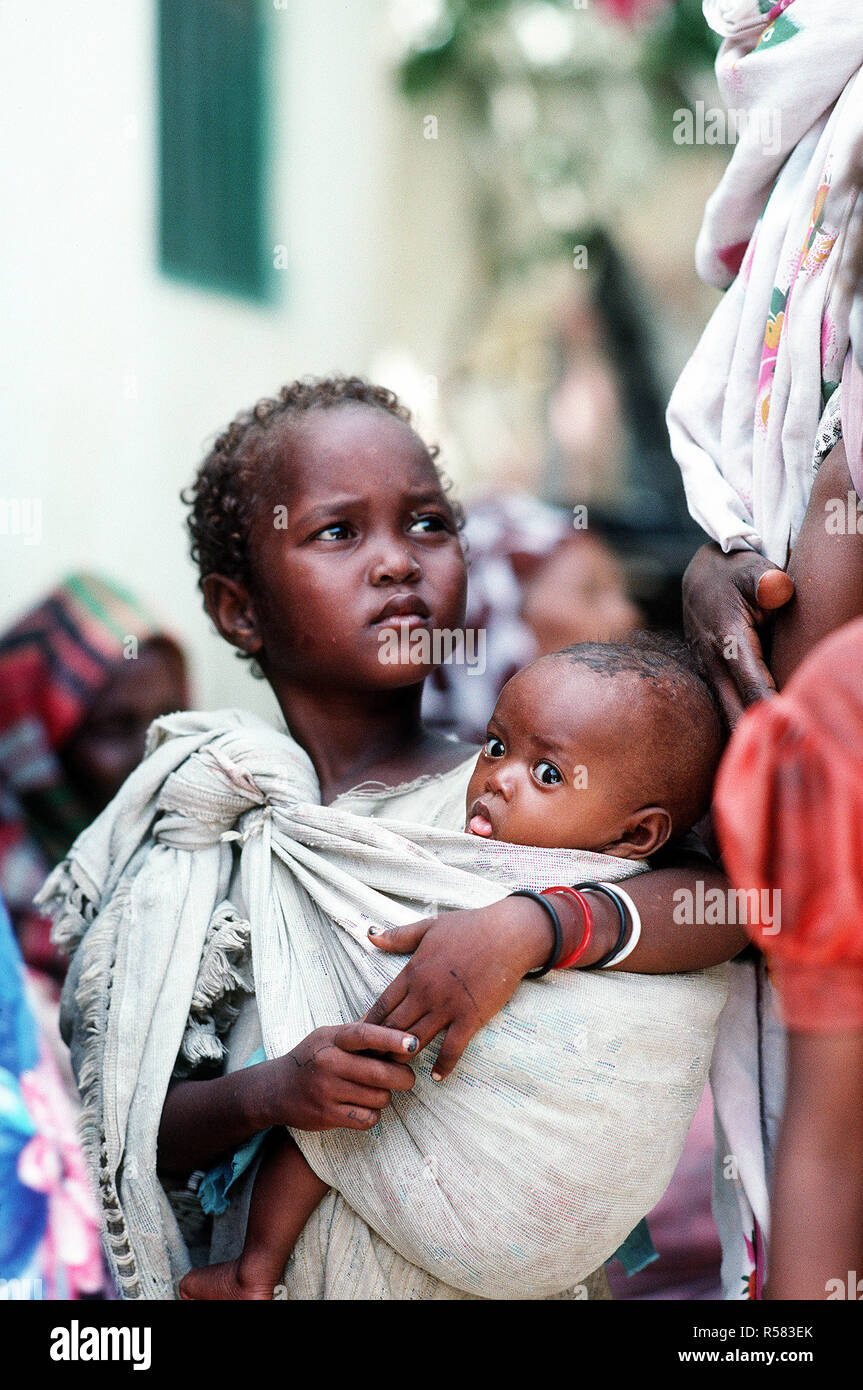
(616, 898)
(587, 934)
(635, 918)
(558, 933)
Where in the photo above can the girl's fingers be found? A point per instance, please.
(363, 1097)
(370, 1071)
(356, 1117)
(370, 1037)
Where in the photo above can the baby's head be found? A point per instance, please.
(610, 747)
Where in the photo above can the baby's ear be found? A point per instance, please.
(645, 832)
(230, 606)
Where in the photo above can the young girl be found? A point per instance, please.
(610, 748)
(319, 522)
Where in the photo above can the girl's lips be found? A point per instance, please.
(400, 609)
(408, 620)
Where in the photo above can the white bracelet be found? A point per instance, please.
(635, 932)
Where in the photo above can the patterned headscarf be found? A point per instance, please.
(53, 664)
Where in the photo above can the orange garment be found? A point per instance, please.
(788, 808)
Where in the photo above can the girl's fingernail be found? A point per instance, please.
(376, 931)
(436, 1076)
(411, 1044)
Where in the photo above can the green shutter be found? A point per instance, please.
(212, 193)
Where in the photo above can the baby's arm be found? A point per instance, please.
(285, 1194)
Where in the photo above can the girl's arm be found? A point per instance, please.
(826, 567)
(324, 1083)
(467, 965)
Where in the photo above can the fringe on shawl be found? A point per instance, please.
(225, 975)
(93, 997)
(69, 903)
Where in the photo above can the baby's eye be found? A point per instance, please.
(336, 531)
(494, 747)
(547, 773)
(425, 525)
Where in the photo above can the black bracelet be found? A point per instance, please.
(622, 914)
(558, 932)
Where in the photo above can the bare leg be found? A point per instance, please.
(286, 1193)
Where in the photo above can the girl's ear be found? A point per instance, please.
(230, 606)
(645, 832)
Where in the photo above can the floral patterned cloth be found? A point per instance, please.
(746, 411)
(49, 1221)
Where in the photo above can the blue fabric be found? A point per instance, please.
(23, 1212)
(637, 1251)
(217, 1182)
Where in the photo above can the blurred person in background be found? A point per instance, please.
(534, 585)
(82, 675)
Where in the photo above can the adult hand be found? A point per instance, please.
(465, 967)
(727, 599)
(327, 1083)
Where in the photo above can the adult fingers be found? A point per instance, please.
(749, 672)
(370, 1037)
(773, 589)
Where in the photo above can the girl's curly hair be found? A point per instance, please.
(227, 486)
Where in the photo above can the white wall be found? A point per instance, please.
(113, 377)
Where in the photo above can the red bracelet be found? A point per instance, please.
(581, 948)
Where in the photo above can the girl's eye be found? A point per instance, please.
(425, 525)
(547, 773)
(494, 747)
(336, 531)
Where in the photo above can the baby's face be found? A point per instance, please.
(553, 769)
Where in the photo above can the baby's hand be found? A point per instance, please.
(466, 966)
(332, 1085)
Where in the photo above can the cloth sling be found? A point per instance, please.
(516, 1178)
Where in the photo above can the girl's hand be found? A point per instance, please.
(726, 602)
(328, 1082)
(465, 967)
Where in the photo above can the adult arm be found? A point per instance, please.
(826, 567)
(817, 1205)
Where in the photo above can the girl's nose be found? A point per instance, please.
(395, 564)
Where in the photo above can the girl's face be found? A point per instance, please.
(353, 540)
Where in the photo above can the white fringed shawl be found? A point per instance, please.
(516, 1178)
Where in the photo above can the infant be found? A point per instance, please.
(610, 747)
